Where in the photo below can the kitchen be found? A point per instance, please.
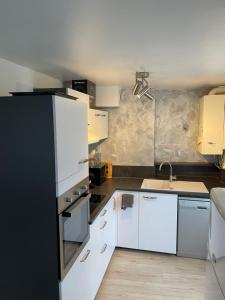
(112, 156)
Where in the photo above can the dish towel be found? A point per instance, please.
(127, 201)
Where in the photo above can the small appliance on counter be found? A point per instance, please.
(97, 174)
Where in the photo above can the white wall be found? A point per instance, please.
(14, 77)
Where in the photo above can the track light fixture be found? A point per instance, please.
(137, 87)
(141, 87)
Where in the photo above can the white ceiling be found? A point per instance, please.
(181, 42)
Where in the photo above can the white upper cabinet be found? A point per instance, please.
(158, 222)
(107, 96)
(127, 222)
(71, 142)
(211, 125)
(97, 125)
(81, 97)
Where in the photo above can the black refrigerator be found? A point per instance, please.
(29, 247)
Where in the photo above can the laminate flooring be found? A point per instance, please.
(142, 275)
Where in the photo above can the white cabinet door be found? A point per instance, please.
(158, 222)
(81, 97)
(127, 222)
(107, 96)
(211, 125)
(71, 142)
(97, 125)
(77, 283)
(103, 124)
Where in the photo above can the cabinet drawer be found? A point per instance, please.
(105, 215)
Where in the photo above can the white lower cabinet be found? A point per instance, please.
(158, 222)
(151, 224)
(84, 278)
(127, 222)
(103, 235)
(74, 286)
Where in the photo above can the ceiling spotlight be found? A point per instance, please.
(137, 87)
(141, 87)
(145, 92)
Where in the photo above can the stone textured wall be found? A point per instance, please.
(131, 131)
(176, 125)
(148, 132)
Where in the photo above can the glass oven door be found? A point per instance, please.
(74, 232)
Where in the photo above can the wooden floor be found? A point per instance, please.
(140, 275)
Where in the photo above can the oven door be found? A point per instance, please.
(74, 232)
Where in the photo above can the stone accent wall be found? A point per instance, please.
(131, 131)
(142, 133)
(176, 125)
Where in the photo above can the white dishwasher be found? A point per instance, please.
(193, 227)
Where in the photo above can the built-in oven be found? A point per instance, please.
(74, 232)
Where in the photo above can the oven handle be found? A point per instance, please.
(68, 213)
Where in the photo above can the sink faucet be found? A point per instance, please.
(172, 177)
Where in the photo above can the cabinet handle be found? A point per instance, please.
(214, 258)
(98, 115)
(103, 213)
(103, 226)
(83, 161)
(103, 115)
(114, 203)
(148, 197)
(202, 207)
(211, 143)
(104, 248)
(85, 256)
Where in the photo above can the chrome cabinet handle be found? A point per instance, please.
(83, 161)
(85, 256)
(103, 213)
(150, 197)
(103, 226)
(211, 143)
(202, 207)
(104, 248)
(114, 203)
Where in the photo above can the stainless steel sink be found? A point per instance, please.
(184, 186)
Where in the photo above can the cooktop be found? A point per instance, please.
(95, 201)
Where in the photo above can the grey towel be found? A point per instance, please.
(127, 201)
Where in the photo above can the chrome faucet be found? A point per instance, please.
(172, 177)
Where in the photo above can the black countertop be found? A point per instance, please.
(134, 184)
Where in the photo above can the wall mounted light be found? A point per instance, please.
(137, 87)
(141, 87)
(145, 92)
